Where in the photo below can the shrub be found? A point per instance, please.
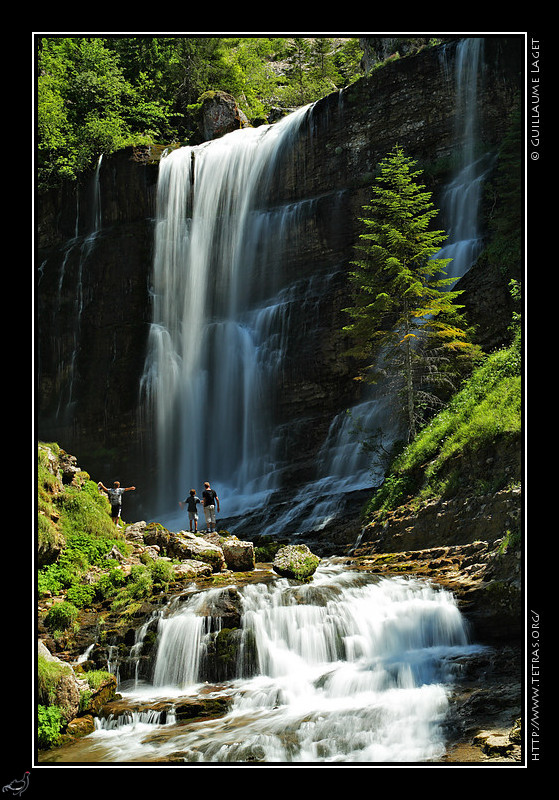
(53, 579)
(162, 572)
(139, 585)
(61, 616)
(80, 594)
(49, 724)
(84, 549)
(140, 582)
(109, 584)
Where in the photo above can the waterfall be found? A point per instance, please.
(217, 337)
(345, 466)
(222, 301)
(461, 198)
(350, 668)
(84, 244)
(217, 346)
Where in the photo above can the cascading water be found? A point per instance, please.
(461, 198)
(84, 244)
(351, 668)
(219, 313)
(221, 306)
(344, 465)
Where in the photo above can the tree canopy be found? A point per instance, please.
(97, 94)
(404, 317)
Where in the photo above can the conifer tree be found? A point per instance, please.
(404, 319)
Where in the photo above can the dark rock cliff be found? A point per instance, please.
(93, 299)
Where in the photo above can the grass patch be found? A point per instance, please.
(485, 411)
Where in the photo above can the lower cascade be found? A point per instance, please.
(349, 668)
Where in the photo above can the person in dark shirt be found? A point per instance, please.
(210, 501)
(191, 502)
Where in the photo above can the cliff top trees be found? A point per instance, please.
(97, 94)
(404, 318)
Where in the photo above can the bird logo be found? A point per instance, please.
(17, 787)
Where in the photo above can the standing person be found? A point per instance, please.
(210, 500)
(115, 498)
(191, 502)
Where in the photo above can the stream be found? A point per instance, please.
(351, 667)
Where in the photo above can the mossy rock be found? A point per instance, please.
(296, 561)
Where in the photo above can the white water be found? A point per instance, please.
(350, 669)
(461, 199)
(220, 313)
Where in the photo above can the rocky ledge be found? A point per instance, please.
(483, 573)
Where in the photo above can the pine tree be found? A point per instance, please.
(404, 318)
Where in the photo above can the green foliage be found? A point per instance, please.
(48, 676)
(80, 594)
(49, 726)
(84, 510)
(109, 584)
(61, 616)
(97, 677)
(96, 94)
(487, 409)
(162, 572)
(404, 317)
(137, 587)
(47, 487)
(53, 578)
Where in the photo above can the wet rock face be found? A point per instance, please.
(461, 520)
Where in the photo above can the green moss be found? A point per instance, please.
(97, 678)
(49, 674)
(296, 561)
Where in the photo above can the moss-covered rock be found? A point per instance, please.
(185, 546)
(296, 561)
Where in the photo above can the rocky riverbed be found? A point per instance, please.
(484, 722)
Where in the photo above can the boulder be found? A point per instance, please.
(189, 546)
(219, 115)
(296, 561)
(185, 546)
(239, 555)
(191, 569)
(224, 608)
(78, 727)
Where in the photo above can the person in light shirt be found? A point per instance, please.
(210, 501)
(115, 498)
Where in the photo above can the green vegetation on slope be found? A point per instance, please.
(486, 412)
(74, 520)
